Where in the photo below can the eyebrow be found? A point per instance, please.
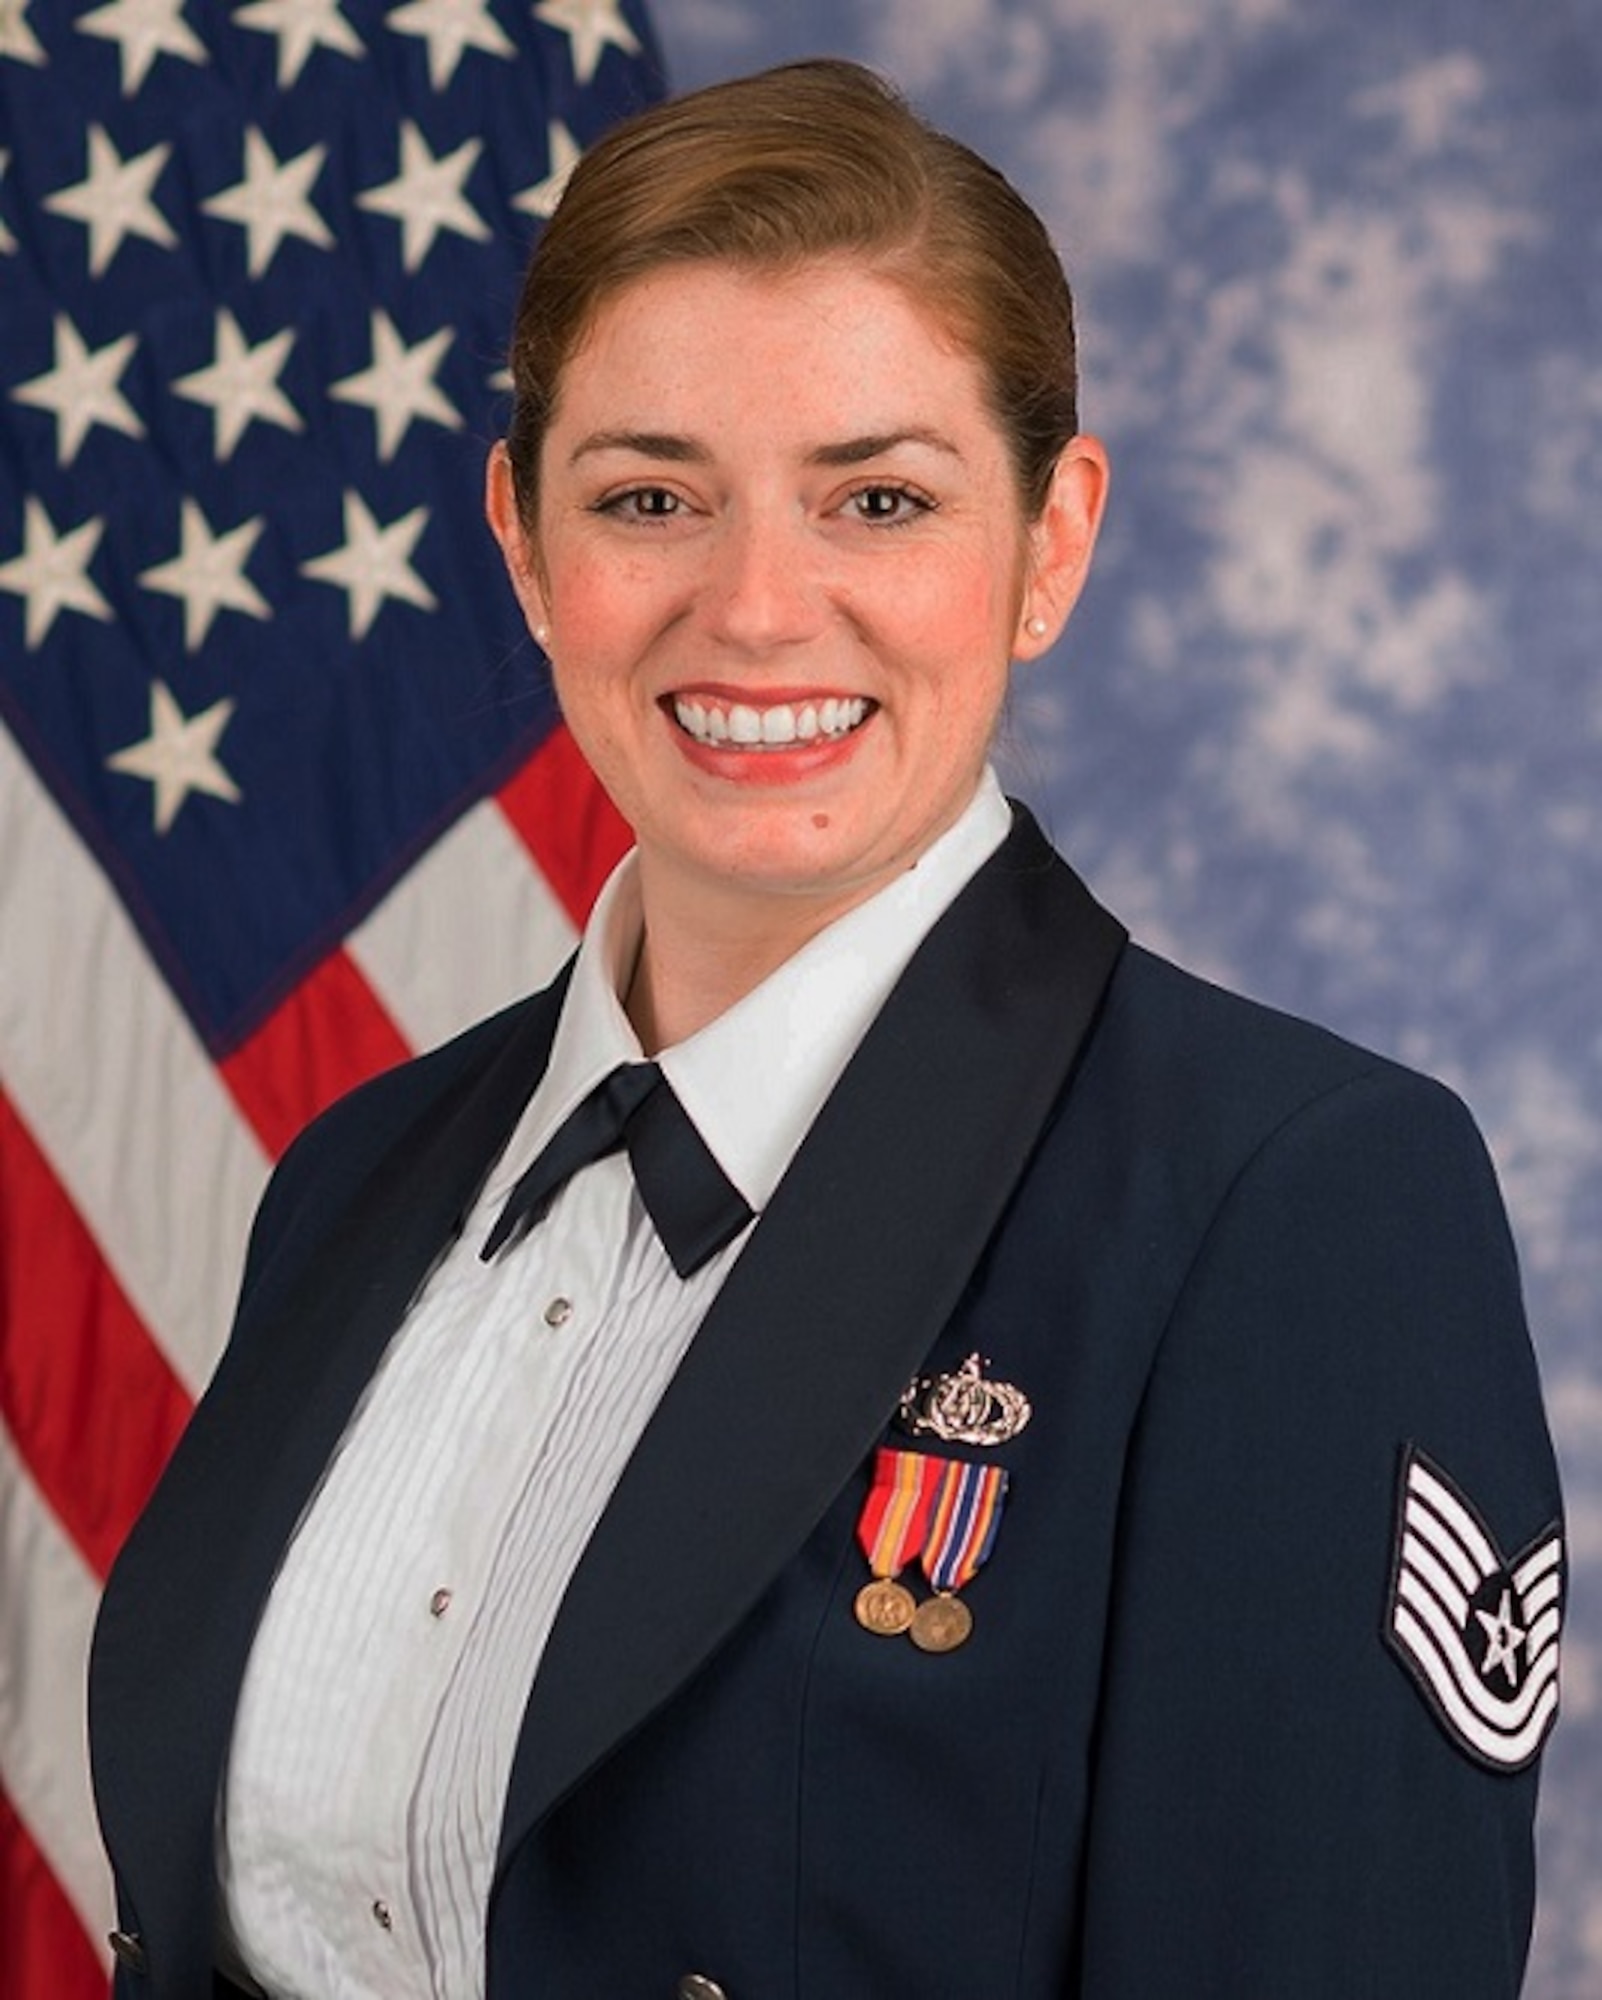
(676, 450)
(648, 444)
(857, 451)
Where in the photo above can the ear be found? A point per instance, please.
(517, 550)
(1061, 542)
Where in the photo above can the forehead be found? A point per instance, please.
(828, 340)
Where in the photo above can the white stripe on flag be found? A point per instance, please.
(472, 926)
(43, 1667)
(116, 1086)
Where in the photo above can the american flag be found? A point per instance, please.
(283, 796)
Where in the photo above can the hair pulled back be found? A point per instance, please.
(813, 159)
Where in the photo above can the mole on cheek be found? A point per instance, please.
(821, 821)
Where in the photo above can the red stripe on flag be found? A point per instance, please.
(574, 832)
(46, 1951)
(332, 1033)
(89, 1397)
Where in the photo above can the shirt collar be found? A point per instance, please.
(754, 1079)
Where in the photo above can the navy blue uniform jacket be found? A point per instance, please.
(1236, 1264)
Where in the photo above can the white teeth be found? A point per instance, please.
(773, 727)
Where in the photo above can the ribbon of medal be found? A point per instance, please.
(961, 1534)
(891, 1532)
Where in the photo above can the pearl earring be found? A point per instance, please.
(542, 634)
(1036, 627)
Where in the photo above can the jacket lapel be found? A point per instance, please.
(857, 1263)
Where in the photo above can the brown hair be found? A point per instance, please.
(809, 160)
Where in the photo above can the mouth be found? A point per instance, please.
(778, 725)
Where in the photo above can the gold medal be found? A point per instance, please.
(941, 1624)
(885, 1606)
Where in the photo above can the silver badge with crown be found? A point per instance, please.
(964, 1408)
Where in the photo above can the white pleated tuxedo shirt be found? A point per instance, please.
(360, 1812)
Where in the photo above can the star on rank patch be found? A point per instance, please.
(1478, 1631)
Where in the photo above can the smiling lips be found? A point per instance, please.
(781, 726)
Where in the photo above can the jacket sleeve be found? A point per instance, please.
(1280, 1805)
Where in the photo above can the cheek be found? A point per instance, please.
(603, 741)
(605, 612)
(985, 607)
(965, 600)
(960, 645)
(573, 587)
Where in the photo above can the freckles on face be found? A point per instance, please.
(781, 556)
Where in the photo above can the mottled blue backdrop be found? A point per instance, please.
(1329, 723)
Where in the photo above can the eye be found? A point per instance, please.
(641, 503)
(889, 506)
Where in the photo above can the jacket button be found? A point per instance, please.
(696, 1986)
(127, 1949)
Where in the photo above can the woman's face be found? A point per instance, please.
(782, 567)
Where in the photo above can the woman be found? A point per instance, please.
(1069, 1512)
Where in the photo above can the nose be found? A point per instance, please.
(762, 591)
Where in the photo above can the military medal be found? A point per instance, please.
(964, 1408)
(961, 1534)
(886, 1607)
(941, 1624)
(891, 1529)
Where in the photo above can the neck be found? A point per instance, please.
(705, 948)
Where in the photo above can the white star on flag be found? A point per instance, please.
(426, 196)
(374, 563)
(302, 26)
(8, 242)
(82, 389)
(399, 387)
(113, 199)
(52, 573)
(179, 756)
(273, 201)
(143, 30)
(450, 27)
(241, 385)
(17, 39)
(563, 152)
(591, 26)
(208, 574)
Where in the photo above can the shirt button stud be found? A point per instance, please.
(381, 1915)
(559, 1312)
(696, 1986)
(439, 1603)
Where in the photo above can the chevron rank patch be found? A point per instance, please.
(1478, 1631)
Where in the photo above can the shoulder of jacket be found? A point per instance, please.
(1217, 1074)
(1189, 1020)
